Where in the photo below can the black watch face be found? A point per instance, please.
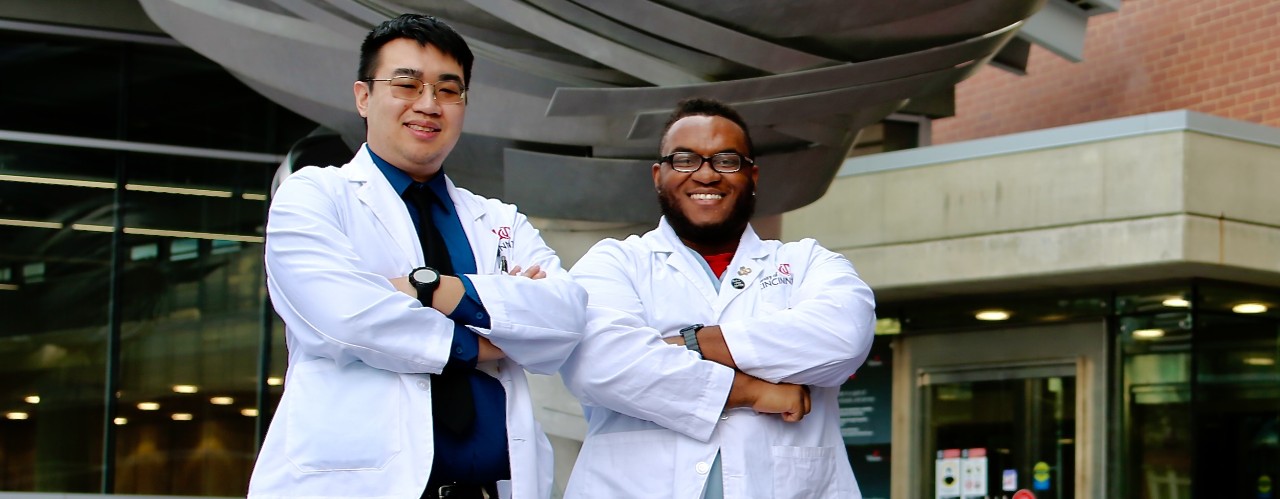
(425, 275)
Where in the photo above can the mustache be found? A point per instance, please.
(729, 229)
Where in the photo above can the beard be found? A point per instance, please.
(728, 230)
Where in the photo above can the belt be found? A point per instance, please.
(461, 491)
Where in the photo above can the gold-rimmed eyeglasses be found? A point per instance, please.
(689, 162)
(410, 88)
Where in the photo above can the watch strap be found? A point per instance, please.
(690, 335)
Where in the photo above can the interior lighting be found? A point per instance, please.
(185, 388)
(16, 415)
(275, 381)
(8, 287)
(1176, 302)
(1148, 333)
(1249, 308)
(178, 190)
(992, 315)
(254, 197)
(248, 411)
(120, 421)
(1260, 361)
(148, 406)
(32, 399)
(222, 401)
(181, 416)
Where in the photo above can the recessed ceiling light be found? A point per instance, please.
(1148, 333)
(1176, 302)
(181, 416)
(249, 412)
(16, 415)
(992, 315)
(148, 406)
(1260, 361)
(275, 381)
(32, 399)
(185, 388)
(222, 401)
(121, 421)
(1249, 308)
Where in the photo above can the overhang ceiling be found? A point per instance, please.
(570, 96)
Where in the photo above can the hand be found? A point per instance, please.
(674, 340)
(534, 272)
(488, 351)
(790, 401)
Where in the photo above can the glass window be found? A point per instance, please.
(54, 298)
(1237, 399)
(192, 332)
(58, 85)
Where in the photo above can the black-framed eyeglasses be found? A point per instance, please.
(410, 88)
(689, 162)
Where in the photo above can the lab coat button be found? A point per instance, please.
(479, 315)
(422, 383)
(702, 468)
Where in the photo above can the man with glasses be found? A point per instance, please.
(408, 317)
(706, 347)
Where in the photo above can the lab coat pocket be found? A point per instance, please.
(805, 472)
(343, 418)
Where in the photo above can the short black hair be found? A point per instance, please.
(703, 106)
(427, 30)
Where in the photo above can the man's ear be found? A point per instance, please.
(755, 173)
(361, 91)
(657, 174)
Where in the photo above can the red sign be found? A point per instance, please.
(1023, 494)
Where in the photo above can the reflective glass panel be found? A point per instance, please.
(192, 329)
(54, 299)
(988, 435)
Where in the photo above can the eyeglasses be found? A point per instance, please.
(410, 88)
(689, 162)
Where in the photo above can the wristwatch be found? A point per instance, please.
(425, 280)
(690, 334)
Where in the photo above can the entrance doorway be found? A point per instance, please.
(994, 412)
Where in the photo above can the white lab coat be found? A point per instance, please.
(654, 410)
(355, 419)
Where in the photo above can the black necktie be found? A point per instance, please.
(452, 403)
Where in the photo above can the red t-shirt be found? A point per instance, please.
(718, 262)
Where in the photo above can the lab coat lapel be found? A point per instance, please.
(376, 193)
(681, 259)
(483, 241)
(748, 264)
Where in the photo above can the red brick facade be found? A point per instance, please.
(1219, 57)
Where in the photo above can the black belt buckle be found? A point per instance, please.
(461, 491)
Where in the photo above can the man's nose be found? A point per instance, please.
(426, 102)
(706, 174)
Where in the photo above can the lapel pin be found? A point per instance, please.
(744, 271)
(737, 283)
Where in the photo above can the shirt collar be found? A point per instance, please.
(400, 180)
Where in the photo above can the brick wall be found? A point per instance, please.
(1220, 57)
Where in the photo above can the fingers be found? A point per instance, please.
(534, 272)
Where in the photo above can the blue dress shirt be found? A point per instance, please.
(480, 457)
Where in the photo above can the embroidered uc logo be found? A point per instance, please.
(784, 269)
(503, 232)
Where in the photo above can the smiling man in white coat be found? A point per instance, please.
(408, 319)
(706, 346)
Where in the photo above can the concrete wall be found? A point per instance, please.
(1137, 206)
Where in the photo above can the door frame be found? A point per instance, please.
(1085, 345)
